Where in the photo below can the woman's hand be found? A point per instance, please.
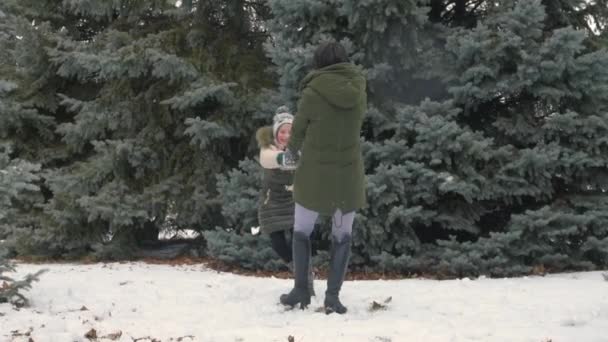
(287, 160)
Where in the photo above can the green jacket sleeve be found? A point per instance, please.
(301, 121)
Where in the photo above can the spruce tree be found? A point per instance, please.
(485, 138)
(484, 144)
(17, 179)
(28, 114)
(154, 98)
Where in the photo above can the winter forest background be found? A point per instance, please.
(485, 143)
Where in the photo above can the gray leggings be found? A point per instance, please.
(341, 226)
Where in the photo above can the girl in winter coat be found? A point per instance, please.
(276, 208)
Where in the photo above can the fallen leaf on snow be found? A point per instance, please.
(375, 306)
(113, 336)
(16, 333)
(91, 334)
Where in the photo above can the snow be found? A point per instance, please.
(179, 234)
(172, 302)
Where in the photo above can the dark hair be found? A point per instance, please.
(329, 53)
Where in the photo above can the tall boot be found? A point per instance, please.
(301, 260)
(339, 257)
(311, 278)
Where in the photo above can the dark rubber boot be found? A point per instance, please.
(301, 260)
(339, 257)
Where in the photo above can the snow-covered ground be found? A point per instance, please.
(193, 303)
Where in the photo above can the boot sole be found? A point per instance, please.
(330, 310)
(302, 303)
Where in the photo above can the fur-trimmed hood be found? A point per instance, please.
(264, 137)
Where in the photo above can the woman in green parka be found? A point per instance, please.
(329, 178)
